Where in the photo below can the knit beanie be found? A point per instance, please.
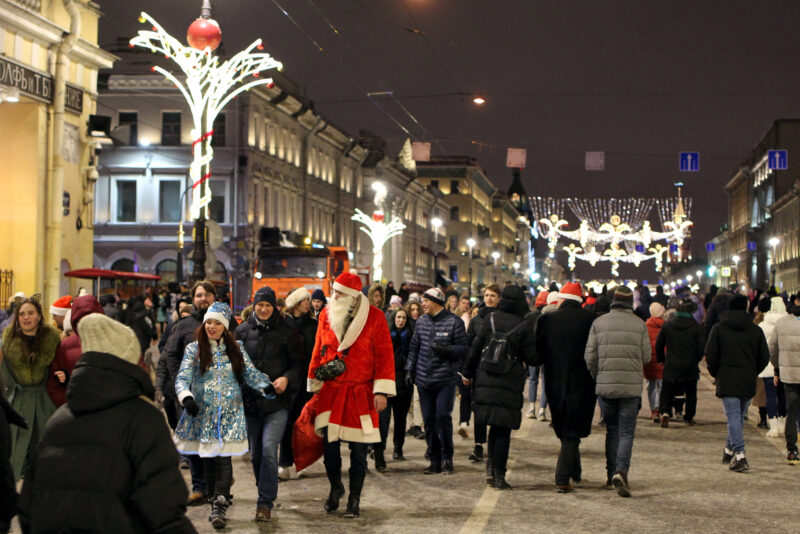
(221, 312)
(764, 305)
(623, 295)
(103, 334)
(657, 310)
(777, 305)
(318, 294)
(297, 296)
(738, 303)
(435, 294)
(264, 294)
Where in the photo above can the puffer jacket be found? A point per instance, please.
(617, 351)
(776, 312)
(106, 461)
(428, 368)
(736, 353)
(679, 346)
(654, 370)
(784, 347)
(276, 349)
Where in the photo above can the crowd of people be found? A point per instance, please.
(97, 385)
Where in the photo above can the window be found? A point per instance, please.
(171, 128)
(131, 120)
(216, 209)
(454, 273)
(453, 242)
(435, 184)
(218, 139)
(169, 201)
(454, 187)
(167, 269)
(126, 201)
(454, 213)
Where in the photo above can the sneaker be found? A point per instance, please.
(432, 469)
(398, 454)
(565, 488)
(739, 465)
(531, 414)
(477, 453)
(664, 420)
(462, 431)
(793, 458)
(656, 416)
(263, 514)
(285, 473)
(540, 416)
(184, 463)
(620, 481)
(196, 499)
(727, 457)
(690, 422)
(609, 483)
(447, 467)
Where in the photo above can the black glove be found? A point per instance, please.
(270, 390)
(409, 380)
(442, 351)
(191, 406)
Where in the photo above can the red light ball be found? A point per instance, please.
(204, 33)
(378, 216)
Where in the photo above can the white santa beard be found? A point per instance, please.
(338, 310)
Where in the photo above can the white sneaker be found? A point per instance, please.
(287, 473)
(773, 427)
(541, 416)
(532, 413)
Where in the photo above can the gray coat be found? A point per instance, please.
(784, 349)
(617, 350)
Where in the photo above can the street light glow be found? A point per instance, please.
(496, 255)
(470, 242)
(699, 274)
(735, 259)
(774, 241)
(479, 100)
(688, 277)
(436, 222)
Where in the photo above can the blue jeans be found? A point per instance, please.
(620, 417)
(735, 410)
(533, 386)
(437, 406)
(264, 432)
(653, 392)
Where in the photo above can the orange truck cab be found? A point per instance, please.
(285, 268)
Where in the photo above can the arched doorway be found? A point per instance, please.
(167, 270)
(123, 264)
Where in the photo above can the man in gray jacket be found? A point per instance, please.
(784, 350)
(617, 350)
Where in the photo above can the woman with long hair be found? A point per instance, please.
(29, 347)
(414, 311)
(209, 386)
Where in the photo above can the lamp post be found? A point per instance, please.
(736, 259)
(436, 222)
(378, 230)
(495, 257)
(773, 241)
(470, 244)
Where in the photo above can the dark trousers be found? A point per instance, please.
(219, 475)
(286, 457)
(172, 411)
(437, 408)
(465, 405)
(620, 430)
(198, 475)
(569, 461)
(792, 412)
(499, 445)
(398, 407)
(480, 430)
(332, 457)
(670, 389)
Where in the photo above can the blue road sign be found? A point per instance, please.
(690, 162)
(778, 160)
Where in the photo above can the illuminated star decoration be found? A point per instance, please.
(208, 87)
(379, 232)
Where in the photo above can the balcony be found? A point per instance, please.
(32, 5)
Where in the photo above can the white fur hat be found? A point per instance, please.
(297, 296)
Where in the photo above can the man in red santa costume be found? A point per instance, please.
(356, 333)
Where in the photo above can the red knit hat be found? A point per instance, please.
(348, 283)
(571, 291)
(61, 305)
(541, 299)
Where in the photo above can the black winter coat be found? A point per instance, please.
(276, 349)
(307, 327)
(679, 346)
(430, 369)
(561, 338)
(106, 461)
(476, 323)
(182, 335)
(497, 399)
(401, 342)
(719, 305)
(8, 487)
(735, 353)
(141, 321)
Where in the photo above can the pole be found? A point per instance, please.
(470, 273)
(179, 259)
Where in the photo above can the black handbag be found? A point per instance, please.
(331, 369)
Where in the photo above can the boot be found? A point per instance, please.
(489, 471)
(477, 453)
(762, 417)
(773, 427)
(218, 508)
(500, 480)
(781, 425)
(353, 500)
(380, 461)
(337, 491)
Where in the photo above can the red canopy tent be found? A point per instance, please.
(105, 274)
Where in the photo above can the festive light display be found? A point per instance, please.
(206, 84)
(628, 240)
(379, 232)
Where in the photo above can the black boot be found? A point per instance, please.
(762, 417)
(353, 500)
(380, 461)
(489, 471)
(500, 480)
(219, 505)
(477, 454)
(337, 491)
(398, 454)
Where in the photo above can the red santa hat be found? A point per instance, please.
(61, 306)
(571, 291)
(348, 283)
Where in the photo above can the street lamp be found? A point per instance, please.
(436, 222)
(736, 259)
(470, 244)
(773, 241)
(688, 277)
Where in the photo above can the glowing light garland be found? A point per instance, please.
(208, 87)
(379, 232)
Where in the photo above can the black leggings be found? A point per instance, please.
(219, 475)
(397, 406)
(499, 445)
(286, 457)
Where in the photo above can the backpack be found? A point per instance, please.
(496, 357)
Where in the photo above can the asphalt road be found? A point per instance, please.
(678, 482)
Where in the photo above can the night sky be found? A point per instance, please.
(641, 81)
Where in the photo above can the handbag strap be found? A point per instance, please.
(491, 321)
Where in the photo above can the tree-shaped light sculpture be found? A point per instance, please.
(208, 86)
(379, 231)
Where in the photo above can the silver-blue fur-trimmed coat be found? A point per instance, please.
(220, 428)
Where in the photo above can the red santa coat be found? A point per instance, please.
(345, 404)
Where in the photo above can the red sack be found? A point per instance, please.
(306, 444)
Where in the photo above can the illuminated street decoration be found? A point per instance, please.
(379, 231)
(208, 86)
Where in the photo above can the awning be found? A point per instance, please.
(106, 274)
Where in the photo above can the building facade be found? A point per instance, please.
(49, 60)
